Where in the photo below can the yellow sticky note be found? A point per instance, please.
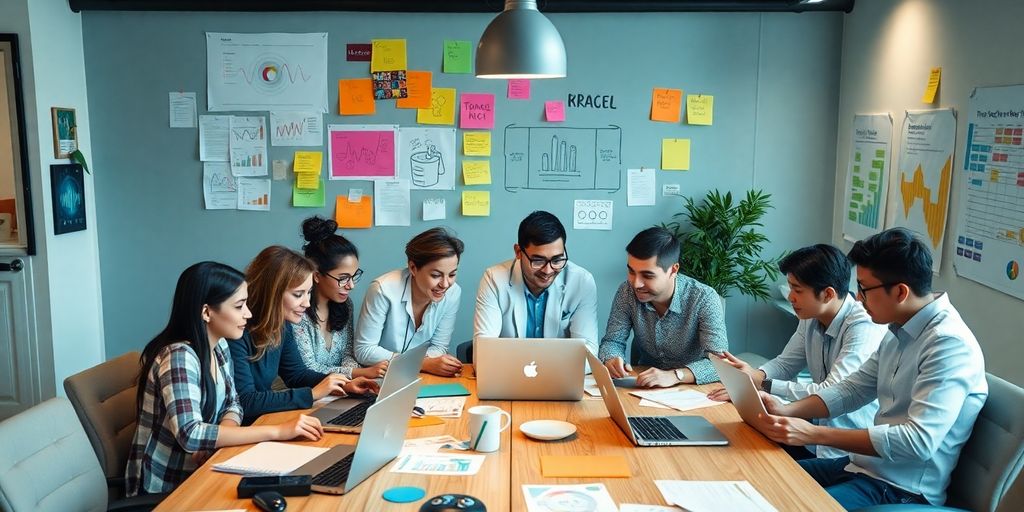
(665, 105)
(700, 109)
(675, 154)
(442, 108)
(476, 172)
(933, 85)
(353, 215)
(308, 162)
(476, 143)
(307, 181)
(476, 203)
(388, 55)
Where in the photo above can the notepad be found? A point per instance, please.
(433, 390)
(270, 458)
(584, 466)
(425, 421)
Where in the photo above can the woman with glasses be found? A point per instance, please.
(324, 336)
(414, 305)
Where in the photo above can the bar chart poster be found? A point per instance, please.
(924, 176)
(867, 176)
(247, 145)
(253, 194)
(563, 158)
(990, 213)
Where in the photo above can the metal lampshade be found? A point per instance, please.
(520, 43)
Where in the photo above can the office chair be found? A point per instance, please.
(987, 476)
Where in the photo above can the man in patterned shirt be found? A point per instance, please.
(675, 320)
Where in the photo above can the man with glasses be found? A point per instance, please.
(928, 376)
(539, 293)
(675, 320)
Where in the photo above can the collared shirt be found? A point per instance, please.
(171, 426)
(929, 378)
(830, 354)
(317, 356)
(535, 314)
(693, 325)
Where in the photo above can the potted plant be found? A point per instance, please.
(721, 246)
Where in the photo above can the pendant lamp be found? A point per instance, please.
(520, 43)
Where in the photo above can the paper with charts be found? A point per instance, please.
(362, 152)
(990, 213)
(296, 129)
(867, 176)
(426, 156)
(548, 158)
(558, 498)
(438, 464)
(247, 142)
(266, 71)
(924, 176)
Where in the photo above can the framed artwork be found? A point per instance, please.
(65, 131)
(67, 185)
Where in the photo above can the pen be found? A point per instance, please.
(478, 436)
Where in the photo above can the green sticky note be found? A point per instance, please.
(458, 56)
(433, 390)
(303, 198)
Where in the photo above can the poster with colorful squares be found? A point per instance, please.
(389, 85)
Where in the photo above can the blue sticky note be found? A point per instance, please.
(434, 390)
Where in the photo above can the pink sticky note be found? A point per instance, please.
(362, 154)
(476, 111)
(519, 89)
(554, 111)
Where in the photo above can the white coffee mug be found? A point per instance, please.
(485, 427)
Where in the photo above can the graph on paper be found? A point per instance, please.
(867, 177)
(247, 145)
(253, 194)
(362, 151)
(296, 129)
(547, 158)
(990, 212)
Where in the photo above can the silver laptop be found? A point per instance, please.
(529, 368)
(347, 414)
(344, 466)
(741, 391)
(654, 430)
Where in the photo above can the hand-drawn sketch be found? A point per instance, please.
(550, 158)
(427, 157)
(362, 152)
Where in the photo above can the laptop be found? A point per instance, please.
(347, 414)
(741, 391)
(529, 368)
(654, 430)
(344, 466)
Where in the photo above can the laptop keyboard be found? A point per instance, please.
(354, 416)
(655, 428)
(335, 474)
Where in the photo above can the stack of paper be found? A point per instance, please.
(697, 496)
(443, 406)
(590, 497)
(438, 464)
(270, 458)
(678, 399)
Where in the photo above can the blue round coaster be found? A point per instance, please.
(404, 494)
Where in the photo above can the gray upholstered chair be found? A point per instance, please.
(987, 476)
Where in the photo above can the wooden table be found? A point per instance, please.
(749, 456)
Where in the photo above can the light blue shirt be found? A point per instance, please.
(535, 314)
(929, 378)
(830, 355)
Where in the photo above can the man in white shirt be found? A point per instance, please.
(928, 376)
(539, 293)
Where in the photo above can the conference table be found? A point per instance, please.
(749, 456)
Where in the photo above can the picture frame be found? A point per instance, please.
(67, 187)
(65, 131)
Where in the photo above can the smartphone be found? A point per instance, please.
(287, 485)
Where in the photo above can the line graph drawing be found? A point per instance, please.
(296, 128)
(362, 152)
(248, 146)
(266, 71)
(561, 158)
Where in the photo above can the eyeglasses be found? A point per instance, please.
(537, 262)
(344, 279)
(864, 291)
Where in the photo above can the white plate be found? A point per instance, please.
(547, 430)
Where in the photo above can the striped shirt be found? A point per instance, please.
(170, 426)
(338, 358)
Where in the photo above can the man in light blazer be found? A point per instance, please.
(539, 293)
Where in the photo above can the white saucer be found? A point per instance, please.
(547, 430)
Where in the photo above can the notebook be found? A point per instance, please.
(435, 390)
(270, 458)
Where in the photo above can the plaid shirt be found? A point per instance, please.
(171, 426)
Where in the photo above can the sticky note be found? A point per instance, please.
(476, 110)
(425, 421)
(388, 55)
(475, 203)
(933, 85)
(417, 89)
(584, 466)
(675, 154)
(700, 109)
(436, 390)
(355, 97)
(355, 52)
(307, 181)
(353, 215)
(308, 162)
(519, 89)
(280, 169)
(476, 143)
(665, 105)
(434, 208)
(458, 56)
(441, 110)
(476, 172)
(554, 111)
(313, 198)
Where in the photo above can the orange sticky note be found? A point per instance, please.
(665, 104)
(355, 97)
(425, 421)
(353, 215)
(418, 85)
(584, 466)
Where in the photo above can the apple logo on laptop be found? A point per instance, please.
(530, 370)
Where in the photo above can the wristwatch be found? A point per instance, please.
(680, 374)
(766, 385)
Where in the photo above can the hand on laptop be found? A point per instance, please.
(755, 374)
(361, 386)
(445, 365)
(617, 368)
(332, 384)
(306, 427)
(786, 430)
